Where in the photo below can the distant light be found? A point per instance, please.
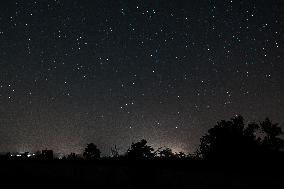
(19, 155)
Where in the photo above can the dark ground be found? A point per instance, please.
(141, 174)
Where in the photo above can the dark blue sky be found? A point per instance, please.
(115, 71)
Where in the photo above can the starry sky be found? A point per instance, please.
(116, 71)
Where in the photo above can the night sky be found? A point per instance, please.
(116, 71)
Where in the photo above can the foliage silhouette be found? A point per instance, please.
(227, 140)
(230, 140)
(271, 140)
(92, 152)
(180, 155)
(114, 152)
(166, 153)
(140, 150)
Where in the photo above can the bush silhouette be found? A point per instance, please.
(140, 150)
(72, 156)
(92, 152)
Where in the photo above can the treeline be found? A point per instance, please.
(227, 140)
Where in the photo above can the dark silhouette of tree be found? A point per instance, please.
(232, 140)
(92, 152)
(271, 140)
(114, 152)
(140, 150)
(166, 153)
(221, 139)
(180, 155)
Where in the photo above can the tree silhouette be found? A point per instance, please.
(271, 140)
(232, 140)
(92, 152)
(166, 153)
(114, 152)
(140, 150)
(180, 155)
